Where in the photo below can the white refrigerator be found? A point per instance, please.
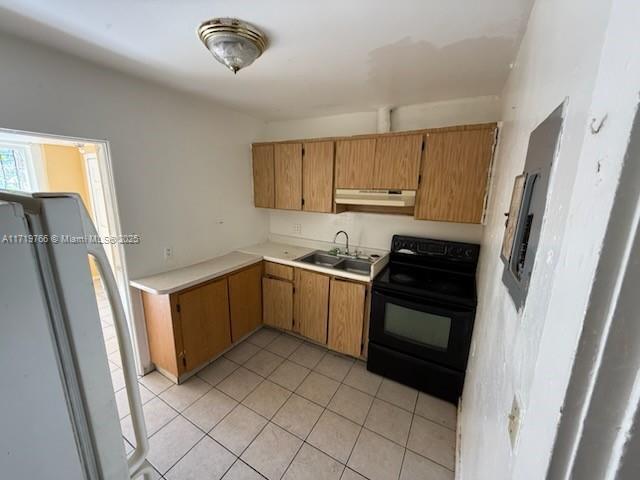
(58, 416)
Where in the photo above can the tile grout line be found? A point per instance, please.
(275, 424)
(404, 452)
(361, 426)
(346, 464)
(314, 426)
(248, 408)
(303, 442)
(354, 364)
(205, 434)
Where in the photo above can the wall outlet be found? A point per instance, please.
(297, 228)
(514, 422)
(168, 253)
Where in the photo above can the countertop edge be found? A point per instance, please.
(140, 284)
(315, 268)
(205, 278)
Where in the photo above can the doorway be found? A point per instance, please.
(31, 162)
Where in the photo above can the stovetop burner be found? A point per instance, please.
(402, 278)
(431, 268)
(445, 286)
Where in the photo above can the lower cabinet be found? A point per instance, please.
(277, 310)
(189, 328)
(245, 301)
(346, 316)
(311, 305)
(331, 311)
(204, 322)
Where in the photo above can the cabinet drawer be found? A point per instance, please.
(278, 271)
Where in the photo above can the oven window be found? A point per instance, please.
(419, 327)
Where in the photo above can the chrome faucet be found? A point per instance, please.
(347, 242)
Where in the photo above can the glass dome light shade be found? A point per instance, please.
(234, 43)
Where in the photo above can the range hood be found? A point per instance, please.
(382, 198)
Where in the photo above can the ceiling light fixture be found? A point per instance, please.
(234, 43)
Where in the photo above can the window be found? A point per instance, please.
(15, 169)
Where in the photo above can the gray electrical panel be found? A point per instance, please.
(530, 198)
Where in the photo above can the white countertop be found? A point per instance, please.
(286, 254)
(277, 252)
(181, 278)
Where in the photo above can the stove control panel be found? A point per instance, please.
(427, 247)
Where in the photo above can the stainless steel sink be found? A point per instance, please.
(321, 259)
(324, 259)
(362, 267)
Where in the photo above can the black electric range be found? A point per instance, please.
(422, 314)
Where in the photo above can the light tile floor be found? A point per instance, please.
(276, 407)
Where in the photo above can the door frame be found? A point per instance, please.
(598, 436)
(105, 164)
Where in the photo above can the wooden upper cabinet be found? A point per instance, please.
(355, 163)
(454, 164)
(346, 316)
(455, 170)
(311, 305)
(397, 162)
(277, 303)
(263, 176)
(317, 177)
(204, 318)
(288, 175)
(245, 301)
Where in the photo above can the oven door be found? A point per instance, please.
(422, 328)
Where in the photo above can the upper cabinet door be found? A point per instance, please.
(354, 163)
(317, 177)
(288, 174)
(455, 170)
(397, 162)
(263, 176)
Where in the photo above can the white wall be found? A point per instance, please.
(182, 165)
(408, 117)
(375, 230)
(529, 354)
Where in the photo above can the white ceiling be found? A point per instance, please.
(324, 56)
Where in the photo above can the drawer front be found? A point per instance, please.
(278, 271)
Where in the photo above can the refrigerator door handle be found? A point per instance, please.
(137, 458)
